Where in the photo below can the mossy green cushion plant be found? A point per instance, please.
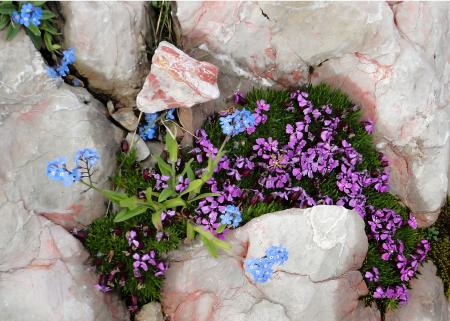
(306, 147)
(439, 234)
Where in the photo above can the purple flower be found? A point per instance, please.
(182, 184)
(372, 275)
(368, 126)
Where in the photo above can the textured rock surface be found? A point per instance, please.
(326, 245)
(427, 300)
(109, 41)
(142, 151)
(150, 312)
(42, 271)
(390, 58)
(177, 81)
(44, 119)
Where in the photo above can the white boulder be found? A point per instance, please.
(326, 246)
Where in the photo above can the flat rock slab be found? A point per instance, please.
(177, 81)
(319, 281)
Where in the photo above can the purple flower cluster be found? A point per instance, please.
(315, 150)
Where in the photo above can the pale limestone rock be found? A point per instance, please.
(109, 41)
(150, 312)
(326, 246)
(177, 81)
(126, 118)
(427, 301)
(55, 284)
(135, 141)
(391, 58)
(43, 275)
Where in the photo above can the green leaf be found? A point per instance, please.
(48, 41)
(4, 20)
(126, 214)
(208, 235)
(172, 147)
(34, 29)
(209, 246)
(56, 47)
(130, 202)
(193, 185)
(174, 202)
(221, 228)
(12, 31)
(201, 196)
(37, 40)
(190, 173)
(38, 3)
(47, 14)
(115, 197)
(7, 8)
(190, 231)
(156, 220)
(49, 28)
(165, 194)
(164, 168)
(186, 168)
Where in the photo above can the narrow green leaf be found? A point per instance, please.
(4, 20)
(38, 3)
(208, 235)
(221, 228)
(47, 14)
(49, 28)
(193, 186)
(164, 168)
(115, 197)
(186, 167)
(34, 29)
(126, 214)
(156, 220)
(12, 31)
(48, 41)
(201, 196)
(209, 246)
(7, 9)
(172, 147)
(130, 202)
(6, 4)
(56, 47)
(190, 173)
(190, 231)
(165, 194)
(174, 202)
(37, 40)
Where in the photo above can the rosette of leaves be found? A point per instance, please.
(155, 203)
(41, 35)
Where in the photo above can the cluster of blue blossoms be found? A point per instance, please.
(28, 14)
(63, 69)
(231, 216)
(149, 131)
(261, 269)
(237, 122)
(85, 159)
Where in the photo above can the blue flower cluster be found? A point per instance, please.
(231, 216)
(87, 156)
(28, 14)
(237, 122)
(149, 131)
(63, 69)
(261, 269)
(57, 169)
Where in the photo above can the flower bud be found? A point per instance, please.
(124, 146)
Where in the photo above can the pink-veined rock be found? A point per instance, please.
(391, 58)
(177, 81)
(320, 280)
